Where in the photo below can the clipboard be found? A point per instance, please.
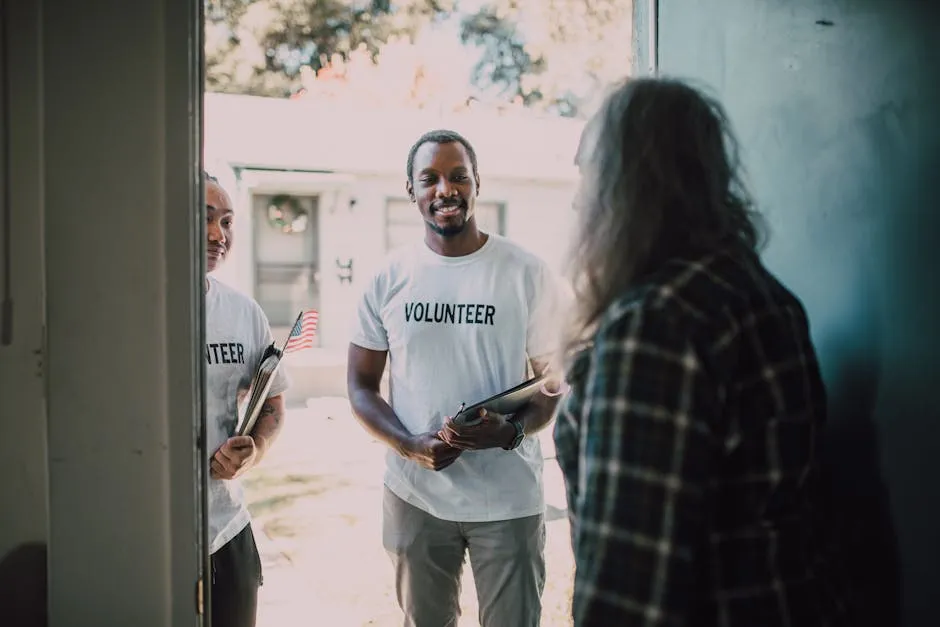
(249, 409)
(258, 391)
(506, 402)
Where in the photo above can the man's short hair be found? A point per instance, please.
(441, 136)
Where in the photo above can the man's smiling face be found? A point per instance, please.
(219, 219)
(444, 186)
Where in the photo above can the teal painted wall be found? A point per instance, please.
(836, 106)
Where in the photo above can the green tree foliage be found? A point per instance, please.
(556, 55)
(552, 55)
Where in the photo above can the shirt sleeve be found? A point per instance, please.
(548, 306)
(644, 455)
(368, 331)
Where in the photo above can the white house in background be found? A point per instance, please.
(321, 196)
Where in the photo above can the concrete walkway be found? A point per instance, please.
(316, 503)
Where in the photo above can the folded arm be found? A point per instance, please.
(268, 426)
(363, 380)
(240, 453)
(536, 415)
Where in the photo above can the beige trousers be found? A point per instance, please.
(507, 558)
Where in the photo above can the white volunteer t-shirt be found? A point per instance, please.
(460, 329)
(237, 332)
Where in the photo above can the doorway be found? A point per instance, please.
(286, 257)
(329, 119)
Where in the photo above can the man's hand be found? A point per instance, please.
(429, 451)
(234, 457)
(493, 431)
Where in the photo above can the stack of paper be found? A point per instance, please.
(258, 390)
(300, 337)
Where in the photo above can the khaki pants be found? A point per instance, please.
(507, 558)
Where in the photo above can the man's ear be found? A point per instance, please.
(410, 190)
(477, 177)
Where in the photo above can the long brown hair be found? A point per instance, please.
(660, 180)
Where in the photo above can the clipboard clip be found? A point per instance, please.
(457, 413)
(469, 421)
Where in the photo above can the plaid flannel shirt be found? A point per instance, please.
(688, 443)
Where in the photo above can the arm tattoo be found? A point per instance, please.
(268, 409)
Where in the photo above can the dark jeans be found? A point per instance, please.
(236, 576)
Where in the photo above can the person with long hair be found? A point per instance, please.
(688, 436)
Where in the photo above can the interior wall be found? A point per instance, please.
(835, 104)
(100, 386)
(24, 521)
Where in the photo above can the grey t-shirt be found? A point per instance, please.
(237, 332)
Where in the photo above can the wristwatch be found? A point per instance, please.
(518, 438)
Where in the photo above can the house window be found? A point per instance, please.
(403, 223)
(286, 234)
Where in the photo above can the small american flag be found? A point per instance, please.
(301, 336)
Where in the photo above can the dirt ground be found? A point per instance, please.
(316, 504)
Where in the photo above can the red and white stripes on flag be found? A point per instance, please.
(301, 336)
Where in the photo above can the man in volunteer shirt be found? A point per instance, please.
(459, 317)
(237, 333)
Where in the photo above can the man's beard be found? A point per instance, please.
(450, 231)
(447, 231)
